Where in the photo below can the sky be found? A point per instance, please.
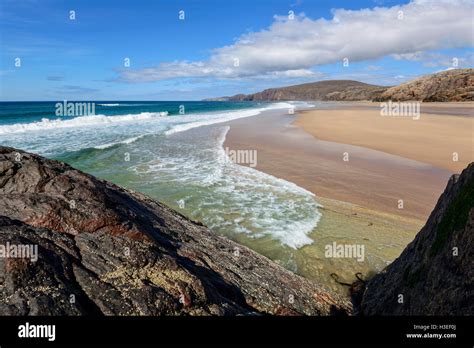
(150, 50)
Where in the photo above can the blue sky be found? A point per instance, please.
(194, 58)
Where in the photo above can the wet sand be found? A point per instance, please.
(360, 197)
(369, 178)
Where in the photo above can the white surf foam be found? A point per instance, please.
(80, 121)
(295, 233)
(227, 116)
(94, 120)
(233, 198)
(126, 141)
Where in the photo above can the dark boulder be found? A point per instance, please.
(103, 249)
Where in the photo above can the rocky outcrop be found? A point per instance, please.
(103, 249)
(453, 86)
(434, 275)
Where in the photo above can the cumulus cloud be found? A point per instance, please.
(294, 47)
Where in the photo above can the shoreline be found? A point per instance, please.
(287, 152)
(359, 198)
(371, 179)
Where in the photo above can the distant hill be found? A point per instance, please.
(321, 90)
(452, 85)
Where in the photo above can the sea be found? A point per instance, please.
(174, 152)
(162, 150)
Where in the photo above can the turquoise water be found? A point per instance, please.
(26, 112)
(34, 126)
(173, 160)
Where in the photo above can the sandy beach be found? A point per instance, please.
(373, 172)
(440, 131)
(390, 160)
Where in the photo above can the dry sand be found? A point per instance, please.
(396, 159)
(371, 179)
(432, 139)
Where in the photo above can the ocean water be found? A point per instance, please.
(174, 160)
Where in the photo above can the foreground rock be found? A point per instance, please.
(107, 250)
(435, 273)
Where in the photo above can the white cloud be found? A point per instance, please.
(434, 60)
(413, 56)
(294, 47)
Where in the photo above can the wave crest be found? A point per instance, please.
(81, 121)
